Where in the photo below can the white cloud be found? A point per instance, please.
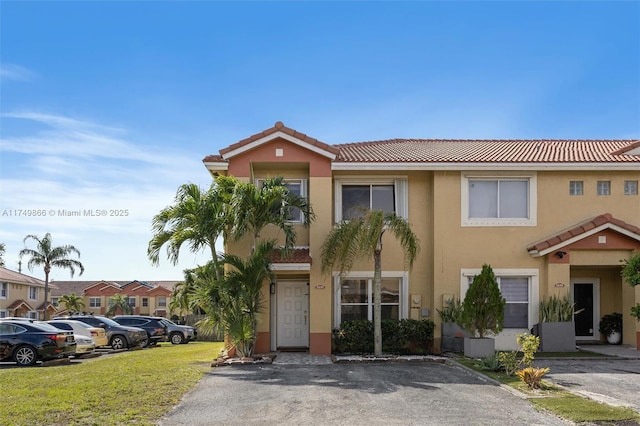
(15, 72)
(73, 171)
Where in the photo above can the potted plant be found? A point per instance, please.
(482, 314)
(611, 328)
(452, 333)
(556, 329)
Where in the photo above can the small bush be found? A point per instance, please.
(509, 361)
(529, 346)
(532, 376)
(452, 312)
(356, 336)
(492, 363)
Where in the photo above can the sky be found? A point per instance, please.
(110, 106)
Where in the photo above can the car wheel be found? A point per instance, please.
(145, 343)
(118, 342)
(176, 338)
(25, 356)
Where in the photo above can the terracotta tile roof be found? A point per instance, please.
(462, 150)
(278, 127)
(7, 275)
(488, 151)
(298, 255)
(78, 287)
(17, 304)
(581, 229)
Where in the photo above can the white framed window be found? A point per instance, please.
(95, 302)
(32, 315)
(355, 195)
(576, 187)
(519, 287)
(55, 301)
(296, 187)
(132, 302)
(499, 201)
(630, 187)
(604, 187)
(33, 293)
(4, 290)
(4, 313)
(145, 302)
(162, 301)
(354, 296)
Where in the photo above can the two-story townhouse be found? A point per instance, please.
(145, 298)
(22, 295)
(550, 217)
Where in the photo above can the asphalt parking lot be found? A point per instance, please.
(352, 394)
(614, 381)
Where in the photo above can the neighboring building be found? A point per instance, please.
(146, 298)
(22, 295)
(550, 217)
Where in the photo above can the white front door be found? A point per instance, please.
(293, 315)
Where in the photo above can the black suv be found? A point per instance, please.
(154, 326)
(120, 336)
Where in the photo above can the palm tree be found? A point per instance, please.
(362, 236)
(254, 207)
(119, 302)
(2, 249)
(49, 257)
(197, 217)
(235, 301)
(72, 302)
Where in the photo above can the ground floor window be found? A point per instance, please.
(94, 302)
(519, 287)
(32, 315)
(4, 313)
(354, 297)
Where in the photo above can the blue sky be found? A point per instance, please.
(113, 105)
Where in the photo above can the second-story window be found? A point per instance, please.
(604, 187)
(296, 187)
(33, 293)
(4, 290)
(630, 187)
(354, 196)
(499, 200)
(576, 187)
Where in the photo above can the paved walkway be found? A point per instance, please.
(301, 358)
(620, 351)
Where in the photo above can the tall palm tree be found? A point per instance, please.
(361, 236)
(72, 302)
(49, 257)
(2, 249)
(254, 207)
(198, 217)
(119, 302)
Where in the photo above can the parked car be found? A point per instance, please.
(120, 336)
(84, 345)
(97, 334)
(26, 342)
(180, 333)
(155, 328)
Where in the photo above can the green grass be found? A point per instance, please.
(132, 387)
(557, 401)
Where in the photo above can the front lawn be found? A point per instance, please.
(132, 387)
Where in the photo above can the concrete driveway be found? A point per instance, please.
(351, 394)
(614, 381)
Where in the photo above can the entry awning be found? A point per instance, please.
(297, 259)
(584, 230)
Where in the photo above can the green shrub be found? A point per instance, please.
(528, 346)
(510, 362)
(558, 309)
(483, 305)
(492, 362)
(356, 336)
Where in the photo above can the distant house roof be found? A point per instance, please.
(78, 287)
(458, 152)
(7, 275)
